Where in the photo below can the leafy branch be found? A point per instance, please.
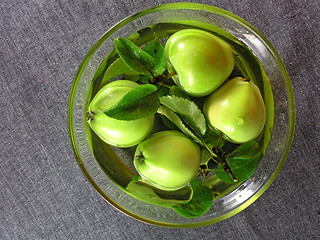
(242, 161)
(176, 107)
(219, 157)
(156, 94)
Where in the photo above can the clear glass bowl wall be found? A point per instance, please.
(268, 168)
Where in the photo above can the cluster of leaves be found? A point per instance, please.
(157, 94)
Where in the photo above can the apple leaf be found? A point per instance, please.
(242, 162)
(156, 50)
(163, 91)
(146, 193)
(140, 102)
(144, 78)
(137, 59)
(245, 150)
(200, 203)
(118, 67)
(212, 138)
(205, 156)
(131, 77)
(169, 124)
(178, 92)
(136, 178)
(188, 111)
(175, 119)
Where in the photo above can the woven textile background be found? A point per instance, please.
(43, 193)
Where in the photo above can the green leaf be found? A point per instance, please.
(220, 188)
(212, 138)
(144, 78)
(140, 102)
(242, 162)
(168, 123)
(141, 78)
(188, 110)
(163, 91)
(146, 193)
(245, 150)
(175, 119)
(201, 202)
(131, 77)
(178, 92)
(156, 50)
(133, 56)
(205, 156)
(117, 68)
(136, 178)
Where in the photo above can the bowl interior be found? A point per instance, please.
(113, 169)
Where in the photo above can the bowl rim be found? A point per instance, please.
(218, 11)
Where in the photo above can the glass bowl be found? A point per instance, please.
(109, 174)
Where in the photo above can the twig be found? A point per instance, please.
(218, 157)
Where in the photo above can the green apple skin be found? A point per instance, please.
(116, 132)
(236, 109)
(167, 160)
(201, 60)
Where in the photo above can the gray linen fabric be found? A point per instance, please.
(43, 193)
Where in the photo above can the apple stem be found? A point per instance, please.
(247, 79)
(213, 155)
(90, 116)
(217, 143)
(156, 80)
(140, 158)
(159, 79)
(170, 75)
(151, 74)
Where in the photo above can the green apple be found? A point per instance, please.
(115, 132)
(237, 109)
(167, 160)
(201, 60)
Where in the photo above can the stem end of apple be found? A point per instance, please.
(90, 116)
(140, 158)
